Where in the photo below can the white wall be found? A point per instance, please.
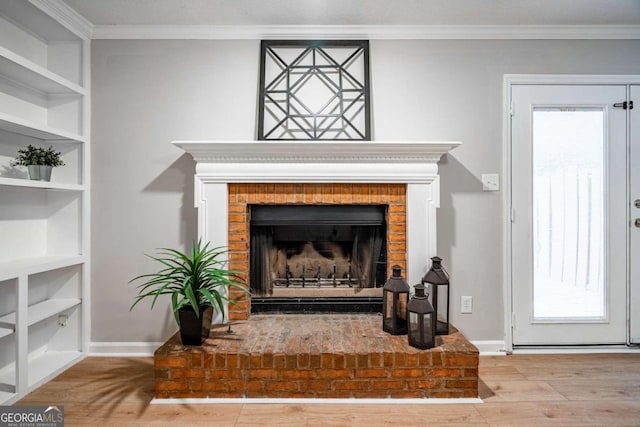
(148, 93)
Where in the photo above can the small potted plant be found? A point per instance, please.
(197, 283)
(39, 161)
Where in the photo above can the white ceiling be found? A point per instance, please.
(359, 12)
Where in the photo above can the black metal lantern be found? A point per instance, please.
(438, 281)
(395, 297)
(421, 320)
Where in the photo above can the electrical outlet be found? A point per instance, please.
(490, 182)
(466, 304)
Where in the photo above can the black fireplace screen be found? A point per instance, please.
(316, 247)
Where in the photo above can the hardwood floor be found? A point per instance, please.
(540, 390)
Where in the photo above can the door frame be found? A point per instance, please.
(509, 80)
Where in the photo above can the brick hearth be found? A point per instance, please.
(319, 356)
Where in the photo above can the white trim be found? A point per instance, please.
(319, 151)
(608, 349)
(371, 32)
(568, 79)
(123, 349)
(506, 212)
(306, 401)
(67, 16)
(491, 347)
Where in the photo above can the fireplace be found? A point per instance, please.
(317, 258)
(235, 179)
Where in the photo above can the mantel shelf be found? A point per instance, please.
(316, 151)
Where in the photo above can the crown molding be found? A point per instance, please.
(67, 16)
(371, 32)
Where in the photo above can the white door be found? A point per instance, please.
(634, 215)
(569, 219)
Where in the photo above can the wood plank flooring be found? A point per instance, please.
(537, 390)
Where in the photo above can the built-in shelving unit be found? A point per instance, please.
(44, 249)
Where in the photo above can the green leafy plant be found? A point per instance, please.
(191, 279)
(38, 156)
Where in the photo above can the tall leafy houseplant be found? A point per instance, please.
(196, 281)
(39, 161)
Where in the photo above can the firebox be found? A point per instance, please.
(317, 258)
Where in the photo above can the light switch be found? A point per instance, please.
(490, 182)
(466, 304)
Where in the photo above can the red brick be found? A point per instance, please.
(334, 373)
(214, 386)
(171, 386)
(445, 372)
(281, 386)
(263, 374)
(171, 361)
(387, 385)
(460, 360)
(177, 374)
(462, 384)
(372, 373)
(327, 360)
(412, 359)
(407, 373)
(470, 372)
(303, 360)
(315, 385)
(470, 393)
(219, 374)
(424, 384)
(297, 374)
(351, 385)
(162, 374)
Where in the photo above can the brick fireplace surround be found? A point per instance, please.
(269, 356)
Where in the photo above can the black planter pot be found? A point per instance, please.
(194, 330)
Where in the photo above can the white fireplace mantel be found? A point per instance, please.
(414, 163)
(319, 161)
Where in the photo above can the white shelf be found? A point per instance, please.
(27, 183)
(27, 73)
(48, 364)
(27, 266)
(40, 311)
(25, 127)
(30, 17)
(45, 97)
(6, 397)
(42, 368)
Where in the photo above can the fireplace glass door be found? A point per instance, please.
(324, 253)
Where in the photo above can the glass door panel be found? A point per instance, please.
(568, 213)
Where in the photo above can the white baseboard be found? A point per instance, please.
(123, 349)
(577, 349)
(490, 347)
(302, 400)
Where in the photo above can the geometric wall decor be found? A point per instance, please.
(314, 90)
